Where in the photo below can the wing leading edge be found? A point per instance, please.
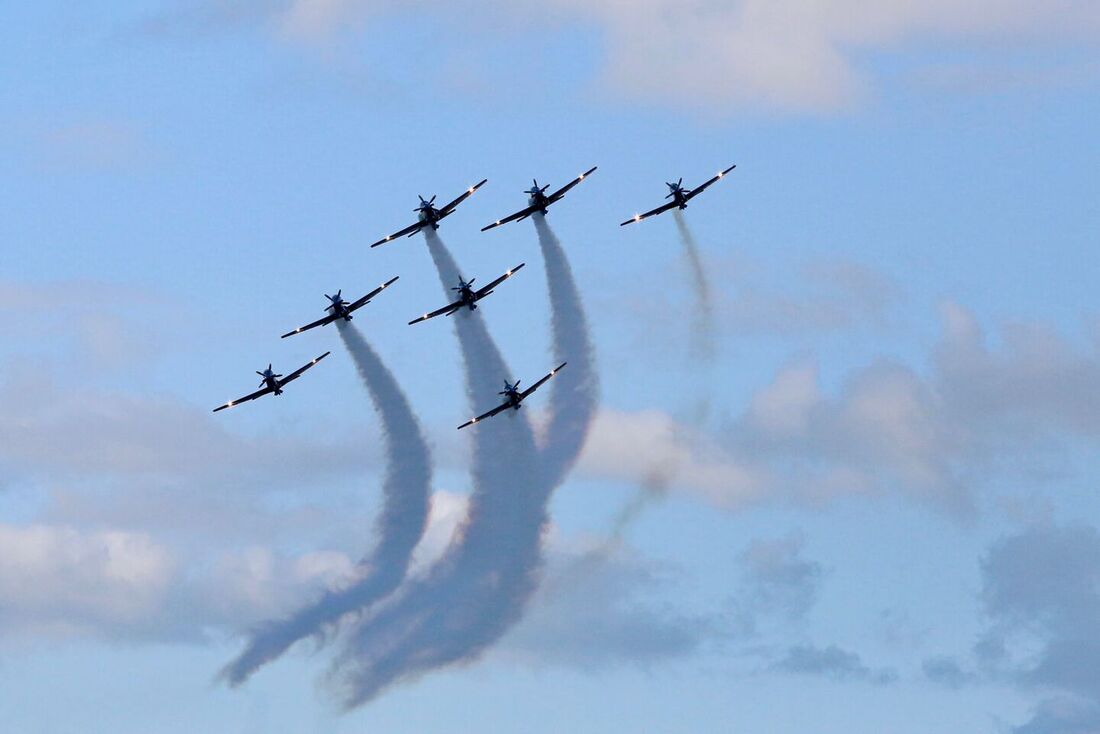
(552, 199)
(450, 308)
(265, 390)
(672, 204)
(352, 307)
(522, 396)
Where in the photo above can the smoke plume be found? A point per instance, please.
(406, 489)
(703, 338)
(574, 391)
(477, 590)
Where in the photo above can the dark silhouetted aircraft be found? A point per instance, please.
(271, 383)
(539, 201)
(679, 195)
(467, 296)
(428, 216)
(512, 397)
(338, 308)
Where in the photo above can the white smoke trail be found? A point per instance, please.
(469, 598)
(703, 338)
(574, 392)
(406, 489)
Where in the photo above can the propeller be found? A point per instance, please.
(463, 284)
(536, 189)
(510, 388)
(674, 187)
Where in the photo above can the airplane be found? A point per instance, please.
(428, 216)
(341, 309)
(679, 195)
(272, 383)
(512, 397)
(467, 296)
(538, 201)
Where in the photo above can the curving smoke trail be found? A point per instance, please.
(703, 328)
(406, 490)
(472, 595)
(574, 392)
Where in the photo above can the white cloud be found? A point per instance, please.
(934, 438)
(649, 446)
(63, 580)
(721, 55)
(60, 581)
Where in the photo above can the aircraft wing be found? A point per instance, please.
(298, 372)
(483, 416)
(696, 191)
(319, 322)
(539, 384)
(448, 310)
(410, 230)
(367, 298)
(652, 213)
(564, 189)
(486, 290)
(512, 217)
(251, 396)
(448, 208)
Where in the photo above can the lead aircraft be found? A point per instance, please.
(679, 195)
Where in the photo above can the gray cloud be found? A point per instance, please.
(1041, 592)
(946, 671)
(938, 437)
(831, 662)
(779, 584)
(592, 612)
(1063, 716)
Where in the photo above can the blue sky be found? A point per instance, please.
(878, 501)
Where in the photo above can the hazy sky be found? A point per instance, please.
(870, 507)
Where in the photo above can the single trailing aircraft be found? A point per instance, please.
(513, 396)
(679, 195)
(539, 201)
(338, 308)
(427, 215)
(467, 296)
(271, 383)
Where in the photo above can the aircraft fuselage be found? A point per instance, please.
(466, 295)
(429, 215)
(540, 200)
